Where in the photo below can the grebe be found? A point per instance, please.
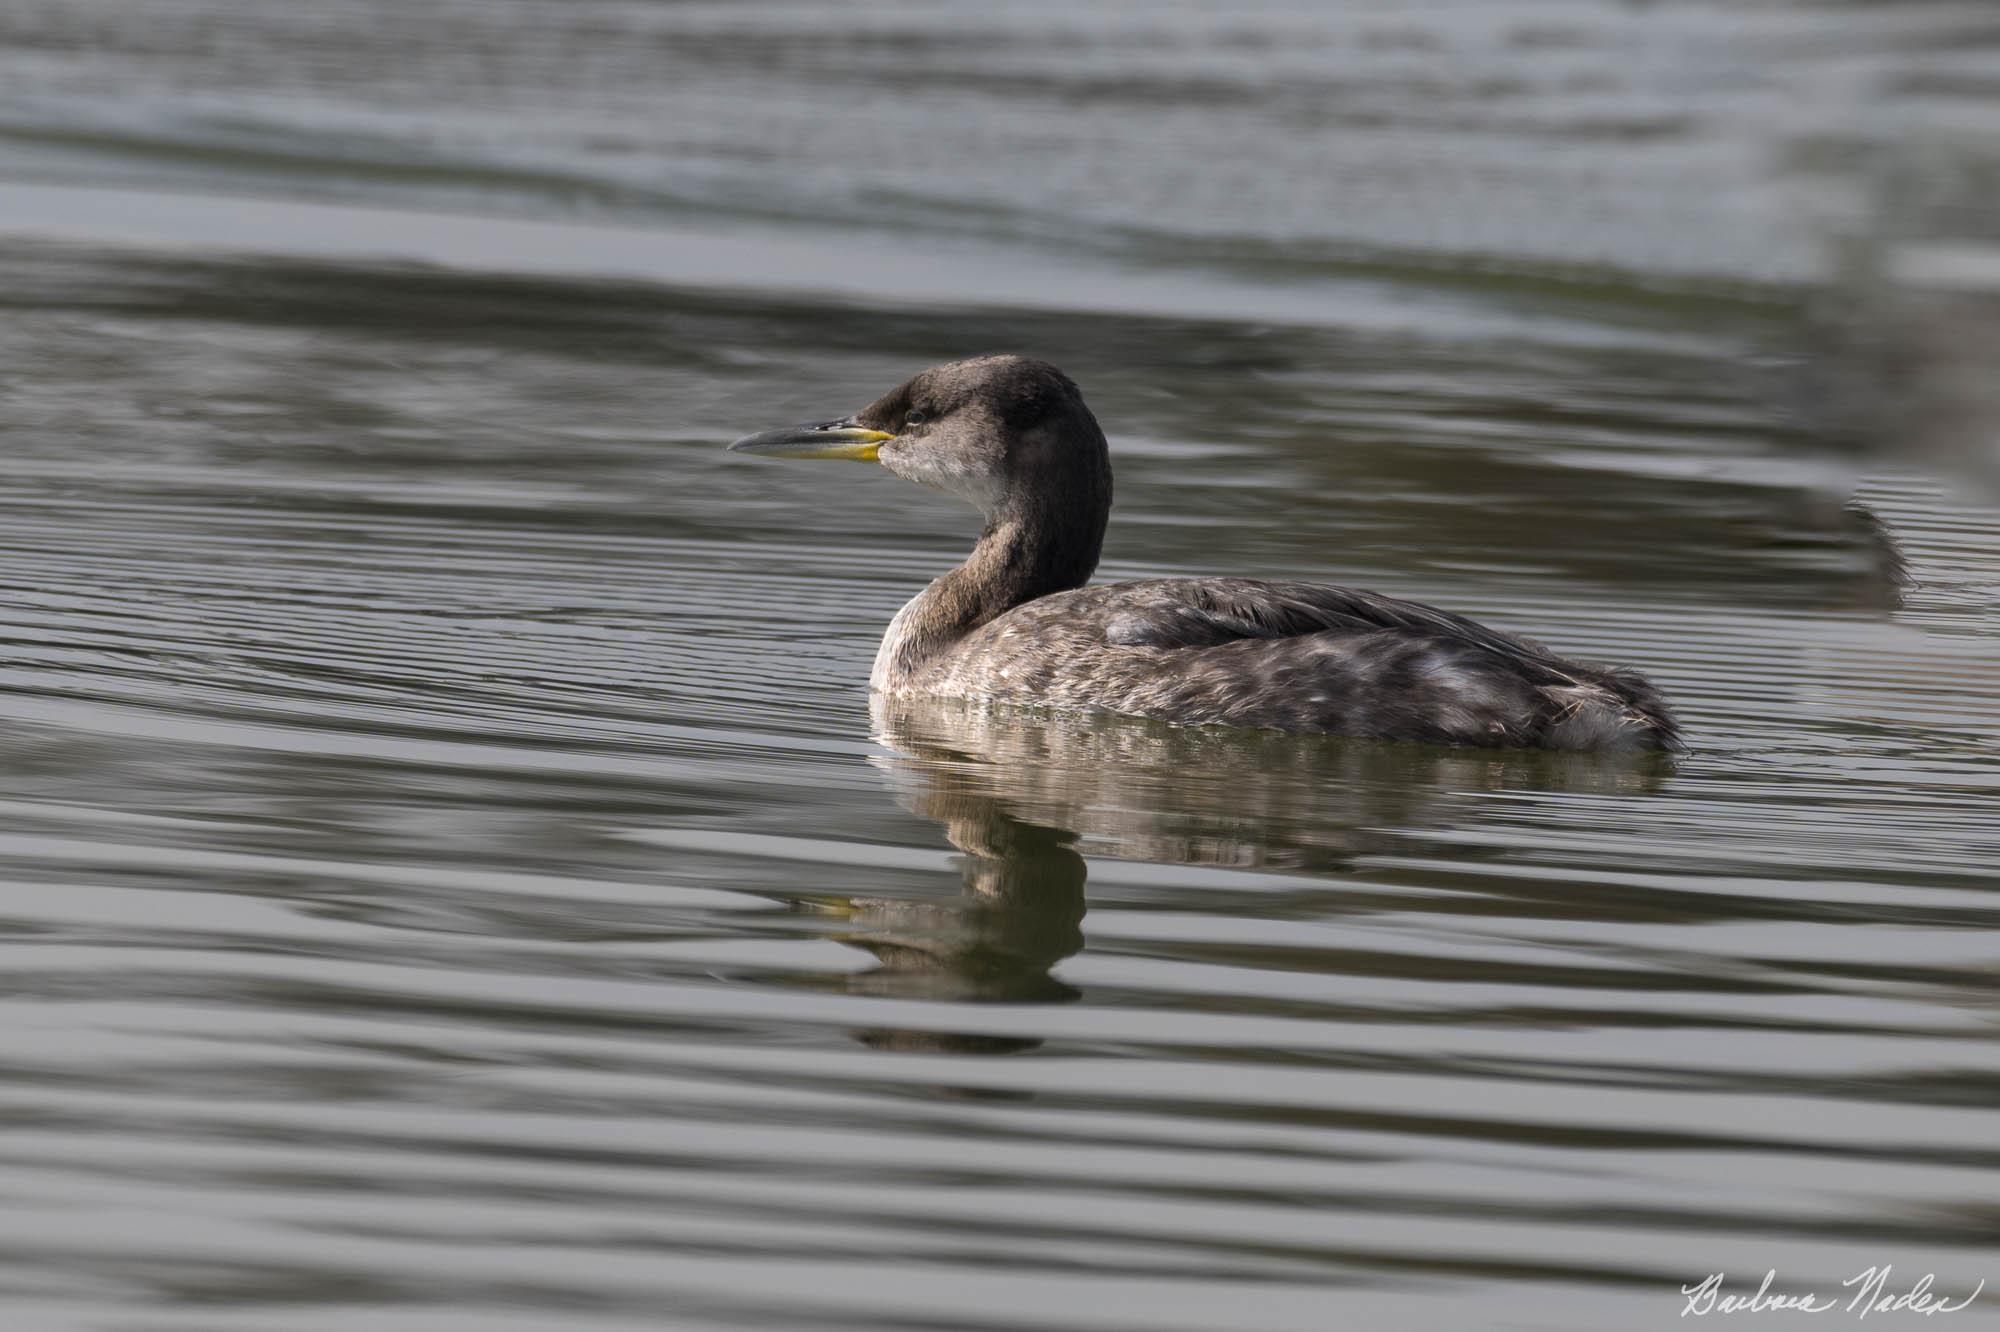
(1015, 623)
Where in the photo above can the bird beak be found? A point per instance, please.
(829, 439)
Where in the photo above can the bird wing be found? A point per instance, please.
(1208, 612)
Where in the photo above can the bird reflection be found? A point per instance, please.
(1022, 795)
(1020, 914)
(1131, 789)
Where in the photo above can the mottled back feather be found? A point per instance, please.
(1299, 657)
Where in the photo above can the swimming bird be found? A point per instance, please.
(1016, 622)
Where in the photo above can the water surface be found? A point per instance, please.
(453, 876)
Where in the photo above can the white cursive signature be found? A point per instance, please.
(1871, 1295)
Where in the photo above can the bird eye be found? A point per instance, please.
(914, 417)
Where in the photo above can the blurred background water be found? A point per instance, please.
(452, 877)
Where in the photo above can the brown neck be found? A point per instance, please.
(1026, 551)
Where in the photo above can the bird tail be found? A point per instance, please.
(1618, 710)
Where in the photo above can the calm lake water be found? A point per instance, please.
(452, 876)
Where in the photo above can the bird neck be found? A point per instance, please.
(1023, 553)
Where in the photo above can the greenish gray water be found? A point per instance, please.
(452, 875)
